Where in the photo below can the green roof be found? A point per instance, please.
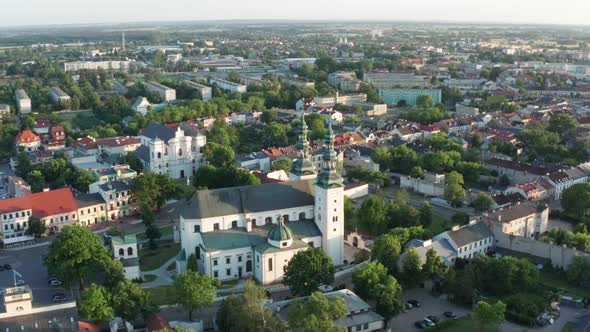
(125, 239)
(280, 232)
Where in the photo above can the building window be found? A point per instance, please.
(335, 218)
(215, 274)
(270, 264)
(228, 272)
(268, 220)
(358, 327)
(310, 244)
(215, 262)
(121, 252)
(234, 224)
(366, 326)
(216, 226)
(159, 155)
(227, 260)
(284, 244)
(129, 251)
(197, 228)
(180, 152)
(239, 258)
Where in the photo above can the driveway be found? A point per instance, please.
(429, 306)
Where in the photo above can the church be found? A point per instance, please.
(254, 231)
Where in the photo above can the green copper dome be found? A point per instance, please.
(280, 232)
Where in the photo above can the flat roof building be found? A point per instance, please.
(228, 86)
(57, 94)
(166, 93)
(23, 102)
(395, 95)
(205, 91)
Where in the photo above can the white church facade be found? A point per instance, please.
(254, 231)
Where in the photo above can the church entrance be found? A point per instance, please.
(248, 266)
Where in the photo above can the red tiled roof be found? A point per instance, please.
(118, 141)
(155, 322)
(88, 327)
(56, 129)
(42, 123)
(27, 136)
(87, 143)
(43, 204)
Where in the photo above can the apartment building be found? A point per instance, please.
(167, 94)
(23, 102)
(205, 91)
(91, 209)
(527, 220)
(395, 95)
(228, 86)
(57, 95)
(119, 65)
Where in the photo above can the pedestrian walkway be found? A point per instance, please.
(163, 276)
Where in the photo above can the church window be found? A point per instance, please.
(335, 218)
(216, 226)
(215, 274)
(121, 252)
(270, 264)
(319, 217)
(159, 155)
(130, 251)
(334, 229)
(228, 272)
(310, 244)
(180, 152)
(197, 228)
(239, 258)
(215, 262)
(234, 224)
(227, 260)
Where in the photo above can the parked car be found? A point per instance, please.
(19, 282)
(7, 267)
(420, 324)
(408, 306)
(414, 303)
(450, 314)
(54, 282)
(433, 318)
(58, 297)
(428, 322)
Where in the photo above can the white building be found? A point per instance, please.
(525, 220)
(58, 95)
(122, 65)
(125, 249)
(228, 86)
(172, 151)
(253, 231)
(205, 91)
(469, 240)
(167, 94)
(23, 102)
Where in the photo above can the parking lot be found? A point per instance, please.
(429, 306)
(27, 262)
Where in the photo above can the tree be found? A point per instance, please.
(268, 116)
(133, 161)
(574, 200)
(317, 313)
(371, 282)
(424, 101)
(579, 270)
(308, 270)
(425, 214)
(386, 250)
(372, 216)
(192, 264)
(193, 291)
(129, 301)
(36, 227)
(483, 202)
(246, 312)
(561, 124)
(454, 192)
(282, 164)
(411, 268)
(36, 180)
(211, 177)
(95, 304)
(489, 315)
(218, 155)
(154, 189)
(76, 254)
(434, 267)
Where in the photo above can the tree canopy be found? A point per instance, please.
(193, 291)
(317, 313)
(308, 270)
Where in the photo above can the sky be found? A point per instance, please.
(43, 12)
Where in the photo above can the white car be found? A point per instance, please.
(54, 282)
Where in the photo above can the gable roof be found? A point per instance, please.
(248, 199)
(157, 130)
(43, 204)
(469, 234)
(27, 136)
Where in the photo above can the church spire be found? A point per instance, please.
(329, 176)
(302, 168)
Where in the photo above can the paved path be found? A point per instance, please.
(163, 276)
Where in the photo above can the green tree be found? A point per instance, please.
(308, 270)
(36, 227)
(246, 312)
(75, 254)
(562, 123)
(579, 270)
(268, 116)
(489, 316)
(218, 155)
(133, 161)
(574, 200)
(129, 301)
(483, 202)
(424, 101)
(371, 282)
(192, 264)
(95, 304)
(193, 291)
(36, 180)
(282, 164)
(454, 192)
(152, 232)
(425, 214)
(24, 164)
(386, 250)
(373, 215)
(433, 267)
(317, 313)
(154, 189)
(411, 268)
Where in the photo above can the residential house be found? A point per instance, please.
(528, 220)
(117, 197)
(27, 141)
(470, 240)
(91, 209)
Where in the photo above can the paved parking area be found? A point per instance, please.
(28, 263)
(429, 306)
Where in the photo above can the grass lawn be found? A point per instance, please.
(466, 324)
(568, 327)
(438, 225)
(556, 279)
(228, 284)
(152, 259)
(149, 277)
(162, 295)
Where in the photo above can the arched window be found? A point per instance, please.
(129, 251)
(179, 151)
(121, 252)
